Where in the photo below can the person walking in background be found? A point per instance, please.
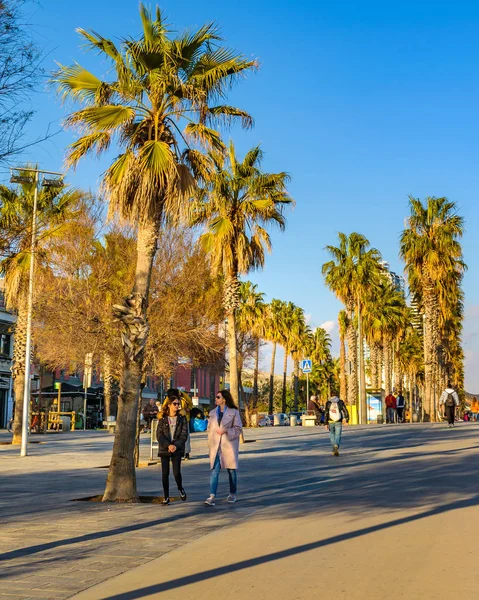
(475, 408)
(336, 413)
(400, 404)
(314, 406)
(390, 408)
(224, 431)
(171, 434)
(449, 399)
(150, 412)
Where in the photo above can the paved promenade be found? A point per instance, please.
(395, 516)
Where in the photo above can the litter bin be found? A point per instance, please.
(380, 419)
(293, 420)
(276, 420)
(66, 423)
(415, 417)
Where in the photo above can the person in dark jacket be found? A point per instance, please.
(334, 414)
(172, 433)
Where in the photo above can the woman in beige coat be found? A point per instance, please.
(224, 431)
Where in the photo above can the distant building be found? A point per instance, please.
(397, 280)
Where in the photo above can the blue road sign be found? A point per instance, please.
(306, 365)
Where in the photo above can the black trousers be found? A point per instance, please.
(165, 472)
(400, 412)
(450, 412)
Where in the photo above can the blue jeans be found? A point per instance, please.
(215, 473)
(390, 415)
(335, 431)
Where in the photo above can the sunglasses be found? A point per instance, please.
(175, 403)
(219, 396)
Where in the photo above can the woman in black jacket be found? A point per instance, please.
(172, 433)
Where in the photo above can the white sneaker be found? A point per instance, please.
(210, 501)
(231, 498)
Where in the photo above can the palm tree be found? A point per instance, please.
(343, 323)
(411, 358)
(432, 252)
(250, 319)
(159, 102)
(318, 349)
(273, 333)
(385, 314)
(237, 204)
(55, 206)
(296, 336)
(352, 272)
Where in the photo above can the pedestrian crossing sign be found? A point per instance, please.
(306, 365)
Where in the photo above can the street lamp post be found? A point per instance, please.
(31, 176)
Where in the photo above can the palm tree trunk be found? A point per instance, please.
(353, 358)
(373, 364)
(342, 367)
(255, 375)
(271, 381)
(107, 381)
(285, 369)
(362, 370)
(429, 348)
(121, 481)
(18, 368)
(387, 366)
(233, 357)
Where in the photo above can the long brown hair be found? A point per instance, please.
(165, 409)
(230, 403)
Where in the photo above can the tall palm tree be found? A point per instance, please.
(55, 206)
(411, 358)
(273, 334)
(343, 323)
(297, 335)
(385, 314)
(352, 272)
(237, 204)
(160, 102)
(251, 319)
(318, 349)
(432, 252)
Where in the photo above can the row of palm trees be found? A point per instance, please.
(410, 348)
(282, 324)
(161, 108)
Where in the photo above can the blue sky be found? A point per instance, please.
(361, 102)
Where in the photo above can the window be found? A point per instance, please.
(5, 344)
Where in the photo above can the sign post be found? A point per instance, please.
(307, 367)
(87, 372)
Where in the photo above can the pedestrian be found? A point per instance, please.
(390, 408)
(171, 434)
(400, 404)
(224, 431)
(314, 406)
(185, 410)
(475, 408)
(150, 412)
(449, 399)
(336, 413)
